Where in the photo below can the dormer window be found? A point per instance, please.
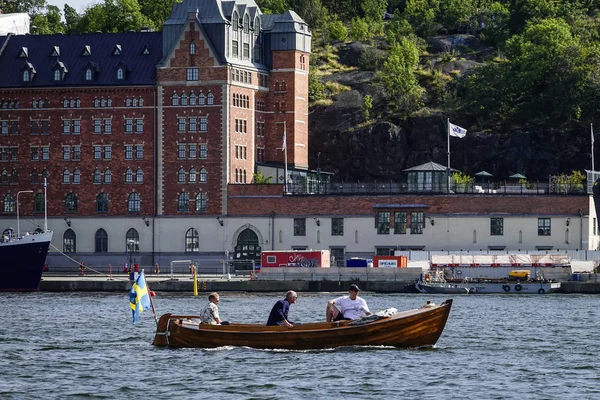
(26, 76)
(57, 75)
(117, 50)
(24, 52)
(146, 51)
(89, 74)
(28, 72)
(120, 74)
(246, 24)
(87, 51)
(60, 70)
(55, 52)
(234, 21)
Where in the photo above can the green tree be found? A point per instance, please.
(495, 18)
(260, 179)
(397, 28)
(421, 14)
(316, 89)
(359, 29)
(49, 23)
(158, 11)
(114, 16)
(336, 29)
(399, 79)
(72, 19)
(273, 6)
(312, 12)
(30, 7)
(457, 14)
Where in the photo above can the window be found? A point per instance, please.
(128, 152)
(71, 203)
(88, 74)
(337, 256)
(9, 203)
(102, 203)
(203, 175)
(133, 202)
(383, 222)
(191, 75)
(184, 100)
(97, 176)
(128, 125)
(181, 175)
(76, 126)
(108, 152)
(108, 126)
(192, 175)
(192, 241)
(77, 176)
(57, 75)
(201, 99)
(45, 153)
(139, 151)
(128, 176)
(26, 76)
(101, 241)
(201, 202)
(139, 176)
(66, 153)
(299, 226)
(193, 126)
(69, 241)
(139, 125)
(66, 176)
(120, 74)
(180, 124)
(337, 226)
(193, 99)
(544, 227)
(97, 126)
(417, 222)
(192, 48)
(107, 176)
(496, 226)
(203, 150)
(210, 99)
(183, 202)
(246, 51)
(234, 48)
(175, 99)
(400, 222)
(97, 152)
(66, 127)
(38, 203)
(132, 241)
(181, 150)
(203, 124)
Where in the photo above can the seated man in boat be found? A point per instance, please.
(347, 307)
(279, 312)
(210, 313)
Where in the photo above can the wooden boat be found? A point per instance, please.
(416, 328)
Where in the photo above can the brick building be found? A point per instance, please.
(150, 140)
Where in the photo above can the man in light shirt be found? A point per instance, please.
(347, 307)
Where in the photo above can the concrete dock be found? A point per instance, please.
(210, 283)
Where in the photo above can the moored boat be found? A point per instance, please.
(416, 328)
(22, 260)
(482, 287)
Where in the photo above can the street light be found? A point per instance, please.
(18, 226)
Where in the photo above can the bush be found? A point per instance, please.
(337, 30)
(370, 60)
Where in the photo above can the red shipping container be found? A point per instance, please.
(296, 258)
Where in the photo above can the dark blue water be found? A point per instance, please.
(494, 347)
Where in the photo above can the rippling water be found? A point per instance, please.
(494, 347)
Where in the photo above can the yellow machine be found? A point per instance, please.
(519, 274)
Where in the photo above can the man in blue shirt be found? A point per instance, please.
(279, 313)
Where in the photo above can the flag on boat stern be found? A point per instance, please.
(456, 130)
(139, 300)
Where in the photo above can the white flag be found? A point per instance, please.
(455, 130)
(592, 131)
(283, 144)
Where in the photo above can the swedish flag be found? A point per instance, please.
(139, 299)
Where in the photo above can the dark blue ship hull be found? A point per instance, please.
(22, 263)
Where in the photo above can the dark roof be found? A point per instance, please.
(141, 68)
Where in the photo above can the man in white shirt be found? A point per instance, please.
(347, 307)
(210, 313)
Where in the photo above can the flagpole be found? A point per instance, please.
(150, 296)
(448, 170)
(285, 158)
(592, 133)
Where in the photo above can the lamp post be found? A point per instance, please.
(18, 225)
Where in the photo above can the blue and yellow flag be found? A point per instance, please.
(139, 299)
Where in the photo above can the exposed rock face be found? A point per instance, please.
(379, 150)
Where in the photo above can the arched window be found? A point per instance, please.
(102, 203)
(14, 176)
(88, 74)
(120, 74)
(139, 176)
(237, 176)
(128, 176)
(141, 102)
(181, 175)
(101, 241)
(210, 99)
(97, 177)
(69, 241)
(175, 100)
(133, 202)
(132, 241)
(66, 176)
(9, 203)
(135, 102)
(235, 21)
(192, 175)
(109, 102)
(201, 99)
(192, 241)
(76, 176)
(107, 176)
(57, 75)
(183, 202)
(71, 203)
(96, 103)
(192, 48)
(184, 100)
(201, 202)
(193, 99)
(38, 203)
(4, 178)
(203, 175)
(26, 76)
(245, 176)
(128, 102)
(246, 24)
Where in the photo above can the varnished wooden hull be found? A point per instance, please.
(420, 327)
